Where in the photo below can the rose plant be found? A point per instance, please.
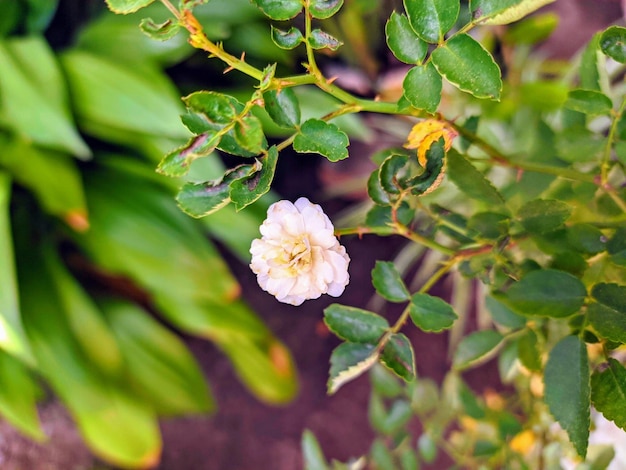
(512, 184)
(508, 185)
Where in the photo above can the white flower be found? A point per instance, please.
(298, 257)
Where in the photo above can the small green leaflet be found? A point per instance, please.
(348, 361)
(608, 392)
(127, 6)
(317, 136)
(498, 12)
(354, 324)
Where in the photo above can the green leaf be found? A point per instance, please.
(431, 313)
(287, 39)
(283, 107)
(616, 247)
(127, 6)
(388, 283)
(432, 19)
(322, 9)
(385, 383)
(381, 456)
(245, 191)
(13, 340)
(279, 9)
(354, 324)
(528, 352)
(380, 216)
(471, 181)
(579, 144)
(592, 66)
(608, 392)
(398, 356)
(51, 176)
(31, 80)
(18, 397)
(375, 190)
(84, 319)
(248, 133)
(402, 40)
(543, 215)
(566, 378)
(178, 161)
(322, 40)
(201, 199)
(433, 174)
(608, 314)
(317, 136)
(312, 452)
(389, 174)
(503, 315)
(422, 87)
(160, 368)
(476, 347)
(547, 293)
(498, 12)
(489, 225)
(586, 238)
(391, 422)
(159, 31)
(348, 361)
(590, 102)
(467, 65)
(613, 43)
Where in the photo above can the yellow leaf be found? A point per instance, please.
(427, 132)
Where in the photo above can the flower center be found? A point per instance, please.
(299, 255)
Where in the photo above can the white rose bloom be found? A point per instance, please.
(298, 257)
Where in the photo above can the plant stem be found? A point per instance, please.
(606, 160)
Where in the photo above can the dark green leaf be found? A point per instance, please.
(287, 39)
(388, 283)
(390, 173)
(608, 314)
(354, 324)
(613, 43)
(433, 174)
(543, 215)
(476, 347)
(586, 238)
(380, 216)
(497, 12)
(177, 162)
(402, 40)
(317, 136)
(489, 225)
(589, 102)
(322, 9)
(566, 378)
(546, 292)
(528, 351)
(503, 315)
(312, 452)
(375, 190)
(283, 107)
(214, 109)
(398, 356)
(422, 87)
(431, 313)
(608, 392)
(279, 9)
(199, 200)
(245, 191)
(348, 361)
(248, 133)
(466, 64)
(322, 40)
(471, 181)
(432, 19)
(127, 6)
(160, 32)
(616, 247)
